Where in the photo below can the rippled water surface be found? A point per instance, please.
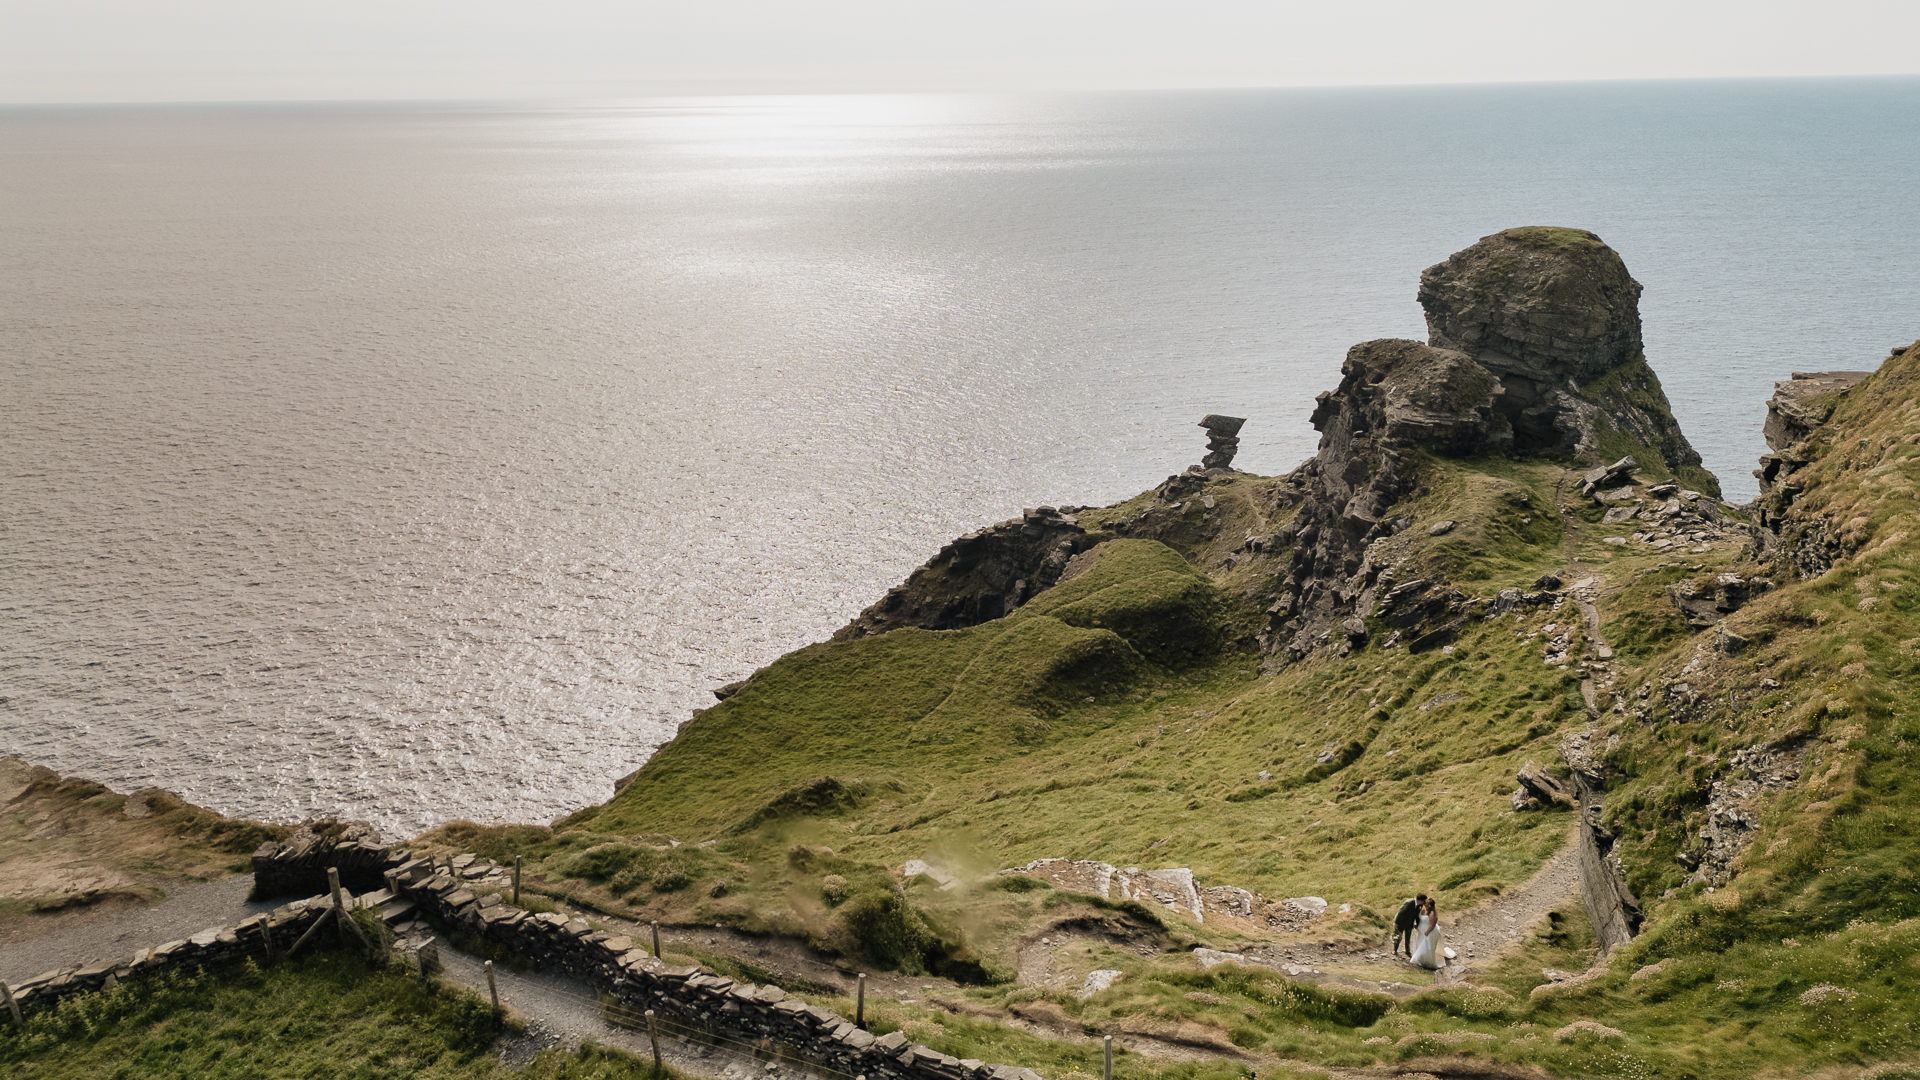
(423, 462)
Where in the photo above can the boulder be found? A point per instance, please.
(1539, 784)
(1608, 477)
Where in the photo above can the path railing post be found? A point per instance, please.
(860, 1004)
(494, 989)
(653, 1036)
(341, 914)
(1107, 1048)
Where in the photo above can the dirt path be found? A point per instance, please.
(1479, 935)
(563, 1013)
(112, 933)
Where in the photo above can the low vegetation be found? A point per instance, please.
(324, 1015)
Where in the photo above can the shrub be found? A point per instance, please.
(834, 888)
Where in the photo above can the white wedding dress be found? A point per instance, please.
(1426, 943)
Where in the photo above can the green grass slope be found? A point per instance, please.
(324, 1015)
(1122, 717)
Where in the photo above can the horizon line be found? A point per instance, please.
(736, 89)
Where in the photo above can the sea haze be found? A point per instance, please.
(410, 463)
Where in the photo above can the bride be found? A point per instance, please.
(1426, 939)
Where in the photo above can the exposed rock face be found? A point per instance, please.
(1703, 606)
(1406, 394)
(982, 576)
(1541, 305)
(1804, 403)
(1555, 315)
(1734, 808)
(1809, 539)
(1610, 905)
(1394, 396)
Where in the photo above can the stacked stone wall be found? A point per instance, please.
(260, 937)
(463, 893)
(298, 865)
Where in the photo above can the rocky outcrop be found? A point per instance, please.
(1535, 348)
(298, 866)
(1803, 403)
(1223, 440)
(1735, 805)
(982, 576)
(1554, 314)
(1784, 531)
(1394, 397)
(1704, 604)
(1539, 788)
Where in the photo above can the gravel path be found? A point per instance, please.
(563, 1013)
(119, 935)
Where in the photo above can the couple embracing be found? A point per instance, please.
(1418, 925)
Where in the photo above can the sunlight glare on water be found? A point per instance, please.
(409, 463)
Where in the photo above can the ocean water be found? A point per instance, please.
(419, 462)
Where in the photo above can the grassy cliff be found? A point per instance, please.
(1759, 785)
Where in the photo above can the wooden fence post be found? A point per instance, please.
(653, 1035)
(494, 989)
(1107, 1046)
(860, 1004)
(516, 881)
(656, 939)
(341, 914)
(333, 890)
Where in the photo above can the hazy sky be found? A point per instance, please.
(161, 50)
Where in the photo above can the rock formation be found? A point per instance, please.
(1803, 403)
(981, 576)
(1222, 440)
(1394, 397)
(1535, 349)
(1554, 313)
(1809, 539)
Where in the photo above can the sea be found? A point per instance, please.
(413, 462)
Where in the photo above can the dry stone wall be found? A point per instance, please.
(260, 937)
(466, 892)
(623, 969)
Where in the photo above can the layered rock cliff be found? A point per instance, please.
(1554, 313)
(1535, 351)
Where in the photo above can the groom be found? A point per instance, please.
(1404, 922)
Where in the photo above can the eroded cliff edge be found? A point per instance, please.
(1535, 353)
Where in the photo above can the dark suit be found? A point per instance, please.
(1403, 924)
